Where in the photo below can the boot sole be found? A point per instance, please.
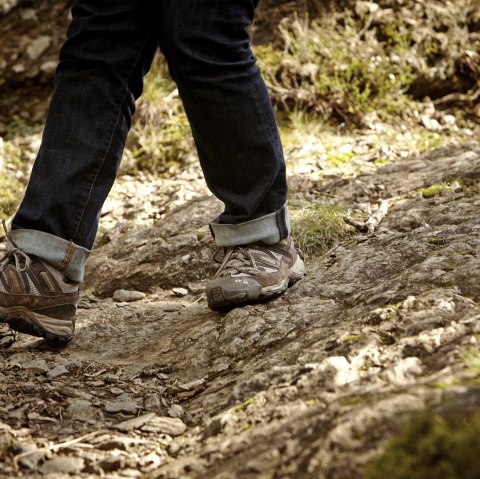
(218, 300)
(30, 322)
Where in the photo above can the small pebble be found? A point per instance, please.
(83, 305)
(135, 423)
(176, 410)
(63, 465)
(57, 371)
(37, 366)
(126, 296)
(179, 291)
(165, 425)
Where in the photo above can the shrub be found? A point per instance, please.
(431, 446)
(335, 69)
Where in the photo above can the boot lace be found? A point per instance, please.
(236, 260)
(14, 256)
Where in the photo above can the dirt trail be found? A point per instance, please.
(307, 386)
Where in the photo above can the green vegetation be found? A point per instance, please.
(244, 405)
(336, 69)
(349, 62)
(353, 338)
(469, 186)
(380, 162)
(337, 160)
(313, 403)
(471, 359)
(10, 186)
(9, 197)
(427, 140)
(432, 190)
(438, 240)
(163, 149)
(161, 139)
(431, 447)
(19, 127)
(466, 185)
(445, 385)
(317, 228)
(352, 400)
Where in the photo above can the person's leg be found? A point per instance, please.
(207, 47)
(109, 48)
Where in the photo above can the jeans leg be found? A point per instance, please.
(207, 46)
(109, 48)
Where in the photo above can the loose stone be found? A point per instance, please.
(135, 423)
(126, 296)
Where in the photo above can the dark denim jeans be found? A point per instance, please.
(110, 47)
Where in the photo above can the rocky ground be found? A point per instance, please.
(311, 385)
(315, 383)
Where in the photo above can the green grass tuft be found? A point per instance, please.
(318, 228)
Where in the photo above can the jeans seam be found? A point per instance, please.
(109, 145)
(68, 257)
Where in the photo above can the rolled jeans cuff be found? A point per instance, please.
(269, 229)
(60, 253)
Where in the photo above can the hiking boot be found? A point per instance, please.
(253, 273)
(36, 298)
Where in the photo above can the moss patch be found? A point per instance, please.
(353, 338)
(244, 405)
(452, 185)
(432, 190)
(431, 447)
